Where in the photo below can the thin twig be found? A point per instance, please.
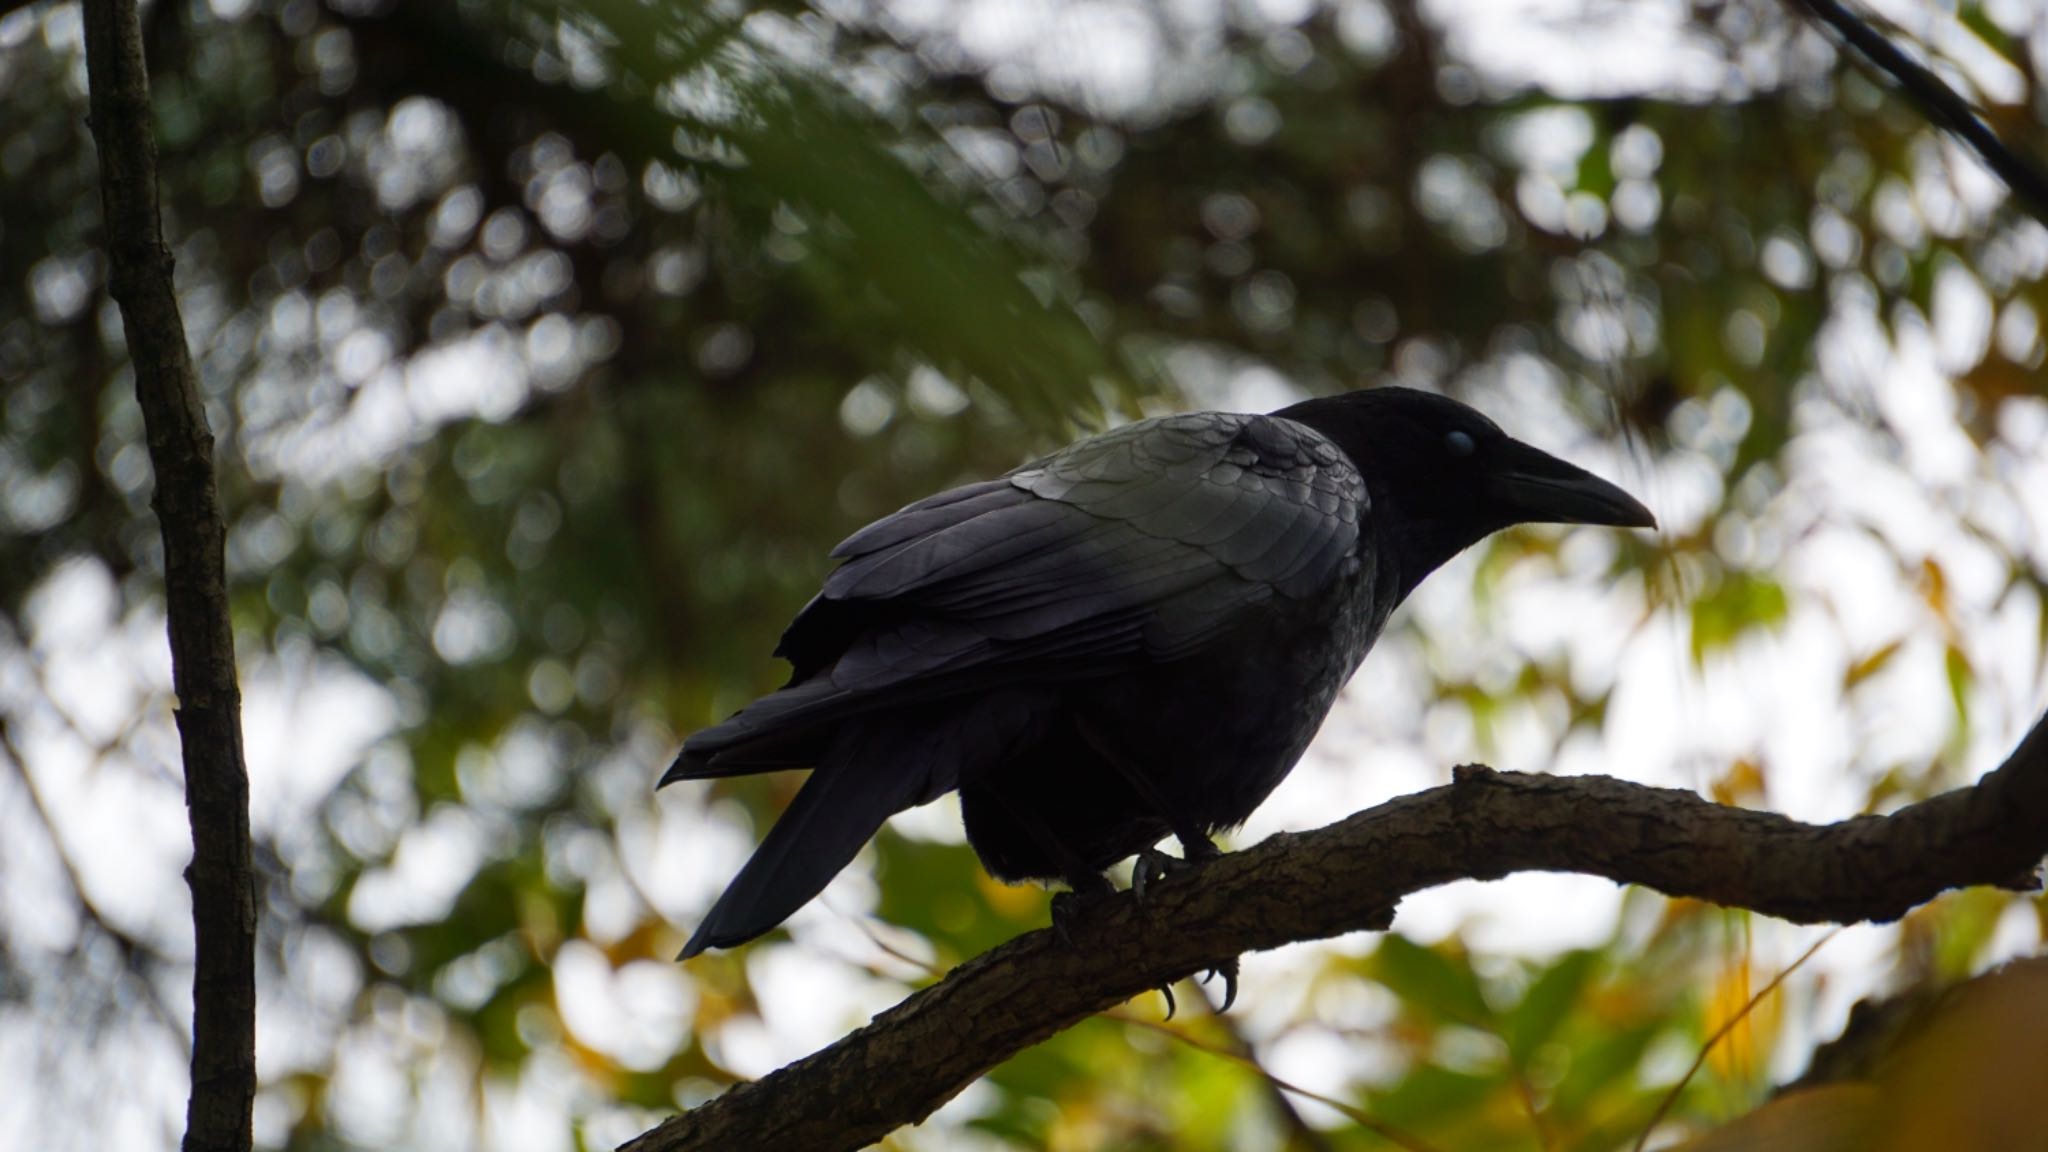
(2022, 173)
(133, 951)
(1380, 1128)
(1299, 1129)
(1727, 1026)
(867, 929)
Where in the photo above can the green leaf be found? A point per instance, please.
(1548, 1002)
(1431, 1094)
(1960, 677)
(1438, 980)
(1601, 1066)
(1740, 602)
(937, 891)
(1964, 924)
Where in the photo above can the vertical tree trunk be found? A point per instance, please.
(195, 585)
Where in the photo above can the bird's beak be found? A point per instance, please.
(1541, 489)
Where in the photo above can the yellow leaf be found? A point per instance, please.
(1870, 665)
(1011, 901)
(1740, 1055)
(1744, 780)
(1934, 588)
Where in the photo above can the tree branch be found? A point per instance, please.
(2022, 173)
(137, 956)
(1349, 877)
(188, 512)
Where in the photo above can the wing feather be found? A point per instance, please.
(930, 514)
(1143, 544)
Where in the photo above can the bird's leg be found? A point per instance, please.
(1083, 888)
(1084, 885)
(1153, 865)
(1200, 850)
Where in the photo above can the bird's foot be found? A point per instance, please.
(1068, 906)
(1152, 865)
(1150, 868)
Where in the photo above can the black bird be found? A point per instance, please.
(1131, 638)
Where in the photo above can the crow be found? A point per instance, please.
(1131, 638)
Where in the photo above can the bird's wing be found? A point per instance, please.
(1122, 526)
(1142, 544)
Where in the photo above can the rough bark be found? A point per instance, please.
(195, 585)
(1349, 877)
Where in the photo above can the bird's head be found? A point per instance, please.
(1442, 476)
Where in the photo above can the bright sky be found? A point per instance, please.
(1773, 699)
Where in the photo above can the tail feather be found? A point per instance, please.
(872, 768)
(759, 752)
(781, 730)
(862, 782)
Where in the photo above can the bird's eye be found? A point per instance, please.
(1458, 443)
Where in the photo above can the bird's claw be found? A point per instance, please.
(1151, 867)
(1227, 970)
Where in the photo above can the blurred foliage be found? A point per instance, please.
(550, 346)
(1962, 1070)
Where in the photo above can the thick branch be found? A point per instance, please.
(1348, 877)
(195, 586)
(2023, 173)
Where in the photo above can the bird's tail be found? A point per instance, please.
(869, 768)
(868, 774)
(792, 728)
